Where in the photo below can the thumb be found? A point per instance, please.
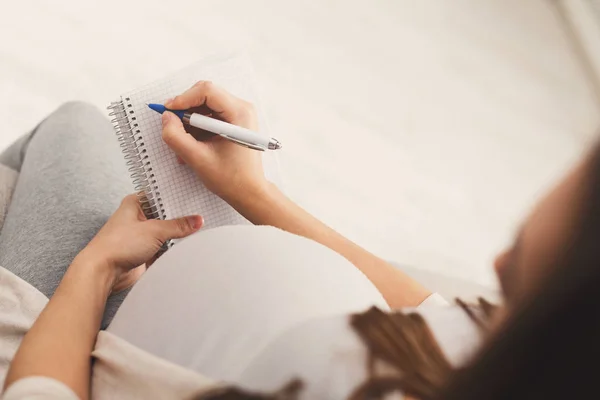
(178, 140)
(176, 228)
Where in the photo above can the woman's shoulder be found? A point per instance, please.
(330, 354)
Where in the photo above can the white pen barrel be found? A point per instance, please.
(233, 131)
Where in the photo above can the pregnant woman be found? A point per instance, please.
(277, 310)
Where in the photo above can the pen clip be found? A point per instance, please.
(248, 145)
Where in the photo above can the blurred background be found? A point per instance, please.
(422, 129)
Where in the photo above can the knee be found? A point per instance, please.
(80, 117)
(77, 107)
(75, 123)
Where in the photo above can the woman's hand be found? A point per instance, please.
(227, 169)
(60, 342)
(129, 240)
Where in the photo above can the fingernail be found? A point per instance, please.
(195, 221)
(168, 102)
(166, 117)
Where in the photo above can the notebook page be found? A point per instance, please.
(181, 191)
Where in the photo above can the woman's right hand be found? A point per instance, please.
(229, 170)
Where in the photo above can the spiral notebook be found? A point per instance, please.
(167, 189)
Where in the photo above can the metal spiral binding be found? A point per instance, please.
(132, 145)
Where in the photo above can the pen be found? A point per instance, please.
(237, 134)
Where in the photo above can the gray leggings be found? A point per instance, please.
(72, 178)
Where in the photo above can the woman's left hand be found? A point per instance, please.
(129, 239)
(60, 342)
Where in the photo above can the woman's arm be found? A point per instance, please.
(269, 206)
(61, 340)
(236, 175)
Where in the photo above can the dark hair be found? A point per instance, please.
(549, 347)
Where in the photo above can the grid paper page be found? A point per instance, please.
(176, 185)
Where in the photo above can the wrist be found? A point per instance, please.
(250, 195)
(97, 267)
(259, 204)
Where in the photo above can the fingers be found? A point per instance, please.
(177, 228)
(130, 206)
(184, 145)
(129, 200)
(223, 103)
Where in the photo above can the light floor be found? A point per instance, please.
(424, 130)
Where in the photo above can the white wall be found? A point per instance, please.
(422, 129)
